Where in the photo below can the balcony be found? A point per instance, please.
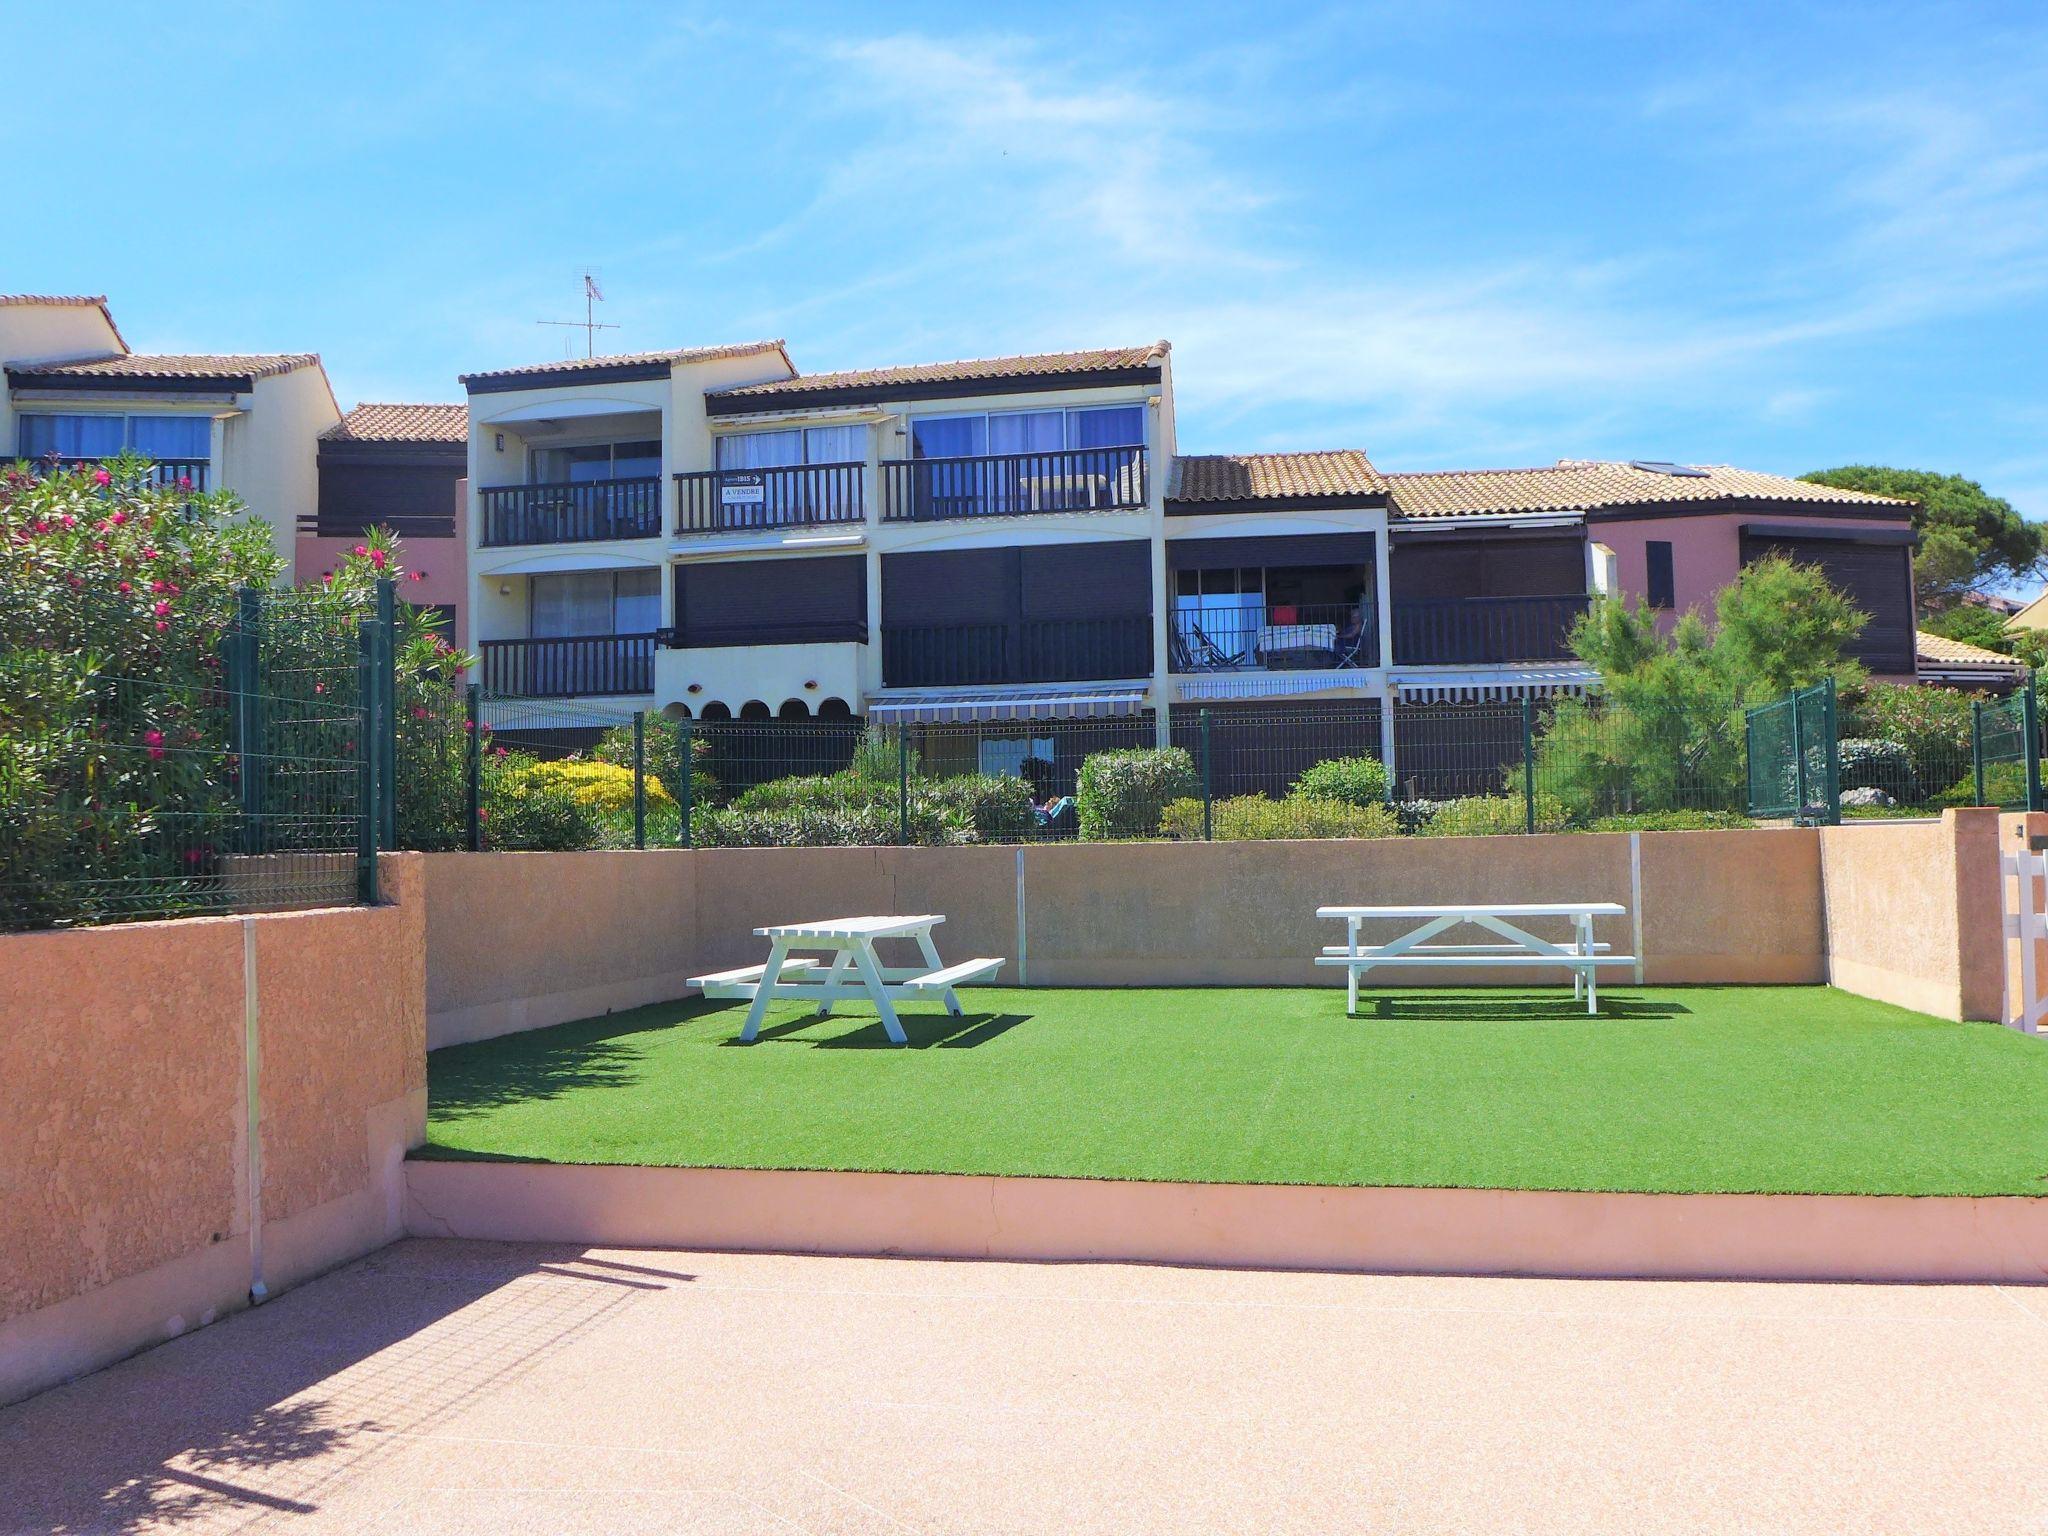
(1273, 637)
(577, 512)
(1030, 651)
(1464, 631)
(1014, 485)
(753, 500)
(182, 474)
(571, 667)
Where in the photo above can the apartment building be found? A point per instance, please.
(710, 533)
(401, 468)
(243, 422)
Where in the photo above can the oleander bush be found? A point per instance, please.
(662, 754)
(1931, 724)
(1122, 794)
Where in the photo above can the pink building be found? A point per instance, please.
(403, 468)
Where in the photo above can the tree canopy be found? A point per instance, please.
(1969, 539)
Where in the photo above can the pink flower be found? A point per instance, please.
(68, 520)
(162, 609)
(319, 687)
(377, 558)
(124, 589)
(101, 477)
(360, 550)
(158, 585)
(155, 741)
(419, 711)
(162, 625)
(42, 526)
(416, 576)
(184, 482)
(117, 518)
(328, 577)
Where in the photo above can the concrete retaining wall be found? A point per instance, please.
(134, 1201)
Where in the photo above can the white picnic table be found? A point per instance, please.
(1516, 946)
(855, 969)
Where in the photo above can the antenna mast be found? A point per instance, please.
(590, 325)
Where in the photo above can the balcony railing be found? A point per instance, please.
(573, 666)
(183, 474)
(792, 496)
(578, 512)
(1032, 651)
(1274, 636)
(1465, 630)
(1013, 485)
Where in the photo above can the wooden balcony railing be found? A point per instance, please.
(1468, 630)
(1031, 651)
(573, 666)
(791, 496)
(183, 474)
(1014, 485)
(578, 512)
(1277, 636)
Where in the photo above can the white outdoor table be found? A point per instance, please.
(856, 968)
(1580, 955)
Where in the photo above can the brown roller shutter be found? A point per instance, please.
(1876, 577)
(772, 602)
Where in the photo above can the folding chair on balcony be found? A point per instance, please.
(1194, 651)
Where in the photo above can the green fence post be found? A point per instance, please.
(1977, 747)
(2030, 719)
(473, 769)
(902, 784)
(387, 687)
(1528, 764)
(686, 753)
(366, 763)
(1831, 755)
(1799, 800)
(1208, 786)
(639, 778)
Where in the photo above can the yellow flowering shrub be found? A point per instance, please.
(595, 786)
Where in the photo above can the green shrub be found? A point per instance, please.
(1253, 818)
(995, 807)
(524, 809)
(826, 825)
(1490, 815)
(1122, 794)
(2004, 784)
(1931, 724)
(1871, 763)
(1359, 781)
(663, 757)
(1672, 821)
(1415, 815)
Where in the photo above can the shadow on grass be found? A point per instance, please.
(516, 1069)
(924, 1030)
(1494, 1008)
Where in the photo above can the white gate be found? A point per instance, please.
(2023, 884)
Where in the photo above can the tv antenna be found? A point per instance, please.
(590, 325)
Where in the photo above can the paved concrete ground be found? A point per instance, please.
(473, 1387)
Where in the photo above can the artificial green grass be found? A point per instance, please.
(1761, 1089)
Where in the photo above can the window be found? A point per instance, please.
(597, 461)
(1004, 432)
(1663, 587)
(573, 603)
(776, 450)
(83, 436)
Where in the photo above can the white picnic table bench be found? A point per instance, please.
(1516, 947)
(856, 969)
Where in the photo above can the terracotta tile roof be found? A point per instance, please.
(155, 365)
(1231, 477)
(971, 370)
(1580, 485)
(401, 424)
(1939, 650)
(628, 359)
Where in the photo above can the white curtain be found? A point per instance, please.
(572, 603)
(760, 450)
(639, 605)
(835, 445)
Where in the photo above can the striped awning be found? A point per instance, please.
(935, 706)
(1267, 685)
(1495, 683)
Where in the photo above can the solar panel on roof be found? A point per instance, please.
(1664, 467)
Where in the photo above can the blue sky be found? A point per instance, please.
(1453, 234)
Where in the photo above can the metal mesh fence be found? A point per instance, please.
(235, 785)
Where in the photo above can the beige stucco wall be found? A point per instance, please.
(127, 1209)
(1913, 912)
